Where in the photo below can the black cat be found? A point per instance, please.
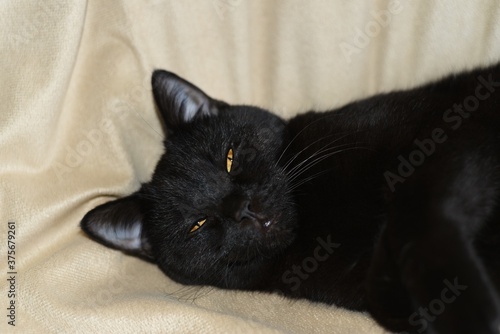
(390, 204)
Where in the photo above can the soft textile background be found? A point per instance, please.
(78, 128)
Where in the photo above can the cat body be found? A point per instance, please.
(389, 204)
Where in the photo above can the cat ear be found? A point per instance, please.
(180, 101)
(118, 224)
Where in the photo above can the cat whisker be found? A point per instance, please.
(298, 134)
(189, 293)
(316, 158)
(301, 182)
(287, 164)
(343, 135)
(322, 150)
(319, 159)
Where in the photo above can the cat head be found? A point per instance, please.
(218, 208)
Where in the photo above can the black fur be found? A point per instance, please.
(389, 204)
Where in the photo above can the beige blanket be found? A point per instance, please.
(78, 128)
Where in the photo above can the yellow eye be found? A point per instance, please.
(197, 225)
(229, 160)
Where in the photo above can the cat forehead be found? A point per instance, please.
(213, 139)
(244, 117)
(189, 171)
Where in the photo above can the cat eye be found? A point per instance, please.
(229, 160)
(197, 225)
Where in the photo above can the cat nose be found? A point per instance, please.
(238, 208)
(244, 211)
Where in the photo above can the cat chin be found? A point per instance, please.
(269, 229)
(242, 274)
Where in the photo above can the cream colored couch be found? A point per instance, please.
(78, 128)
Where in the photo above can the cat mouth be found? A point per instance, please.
(268, 223)
(271, 222)
(261, 223)
(265, 224)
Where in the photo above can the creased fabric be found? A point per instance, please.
(78, 127)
